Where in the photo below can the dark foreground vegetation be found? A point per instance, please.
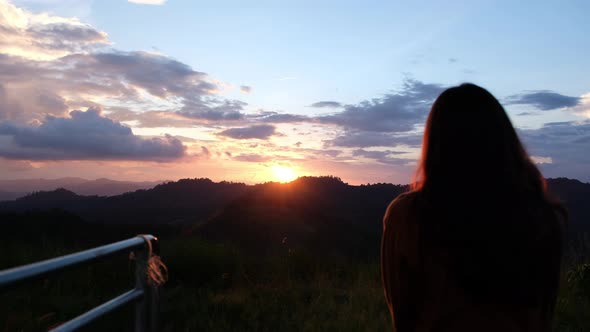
(299, 257)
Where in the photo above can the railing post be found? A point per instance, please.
(141, 283)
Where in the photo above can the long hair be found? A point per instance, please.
(483, 198)
(469, 137)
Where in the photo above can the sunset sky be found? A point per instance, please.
(256, 91)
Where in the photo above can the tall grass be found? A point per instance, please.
(216, 287)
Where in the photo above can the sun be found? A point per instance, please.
(283, 174)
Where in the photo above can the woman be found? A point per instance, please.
(476, 245)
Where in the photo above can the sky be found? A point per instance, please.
(268, 90)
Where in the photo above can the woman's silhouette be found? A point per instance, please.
(476, 245)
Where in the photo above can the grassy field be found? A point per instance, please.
(214, 287)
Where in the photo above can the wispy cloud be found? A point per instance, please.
(252, 158)
(328, 104)
(148, 2)
(252, 132)
(544, 100)
(399, 111)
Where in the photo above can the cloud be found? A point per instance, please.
(44, 36)
(84, 136)
(159, 75)
(544, 100)
(139, 79)
(148, 2)
(583, 108)
(245, 88)
(252, 158)
(542, 160)
(205, 152)
(8, 165)
(275, 117)
(213, 110)
(150, 119)
(561, 146)
(328, 104)
(50, 65)
(396, 112)
(256, 131)
(365, 139)
(383, 157)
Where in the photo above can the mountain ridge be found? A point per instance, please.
(13, 189)
(322, 214)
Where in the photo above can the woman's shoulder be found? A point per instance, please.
(404, 201)
(401, 208)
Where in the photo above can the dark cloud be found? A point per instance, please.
(257, 131)
(84, 136)
(329, 104)
(565, 143)
(252, 158)
(159, 75)
(364, 139)
(375, 154)
(331, 153)
(213, 110)
(543, 100)
(245, 88)
(383, 157)
(205, 152)
(275, 117)
(395, 112)
(453, 60)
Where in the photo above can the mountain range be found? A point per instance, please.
(316, 213)
(13, 189)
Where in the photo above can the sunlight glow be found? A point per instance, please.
(283, 174)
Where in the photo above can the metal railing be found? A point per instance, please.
(143, 293)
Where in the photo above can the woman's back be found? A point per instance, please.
(476, 246)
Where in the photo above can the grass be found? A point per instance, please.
(215, 287)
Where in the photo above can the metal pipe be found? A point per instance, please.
(145, 246)
(101, 310)
(11, 277)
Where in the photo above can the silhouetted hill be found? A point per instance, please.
(576, 197)
(13, 189)
(10, 195)
(316, 213)
(188, 200)
(319, 214)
